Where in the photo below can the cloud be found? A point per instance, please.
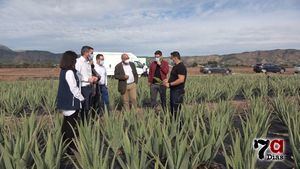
(201, 27)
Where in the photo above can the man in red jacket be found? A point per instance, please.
(159, 69)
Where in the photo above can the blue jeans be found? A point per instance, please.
(103, 91)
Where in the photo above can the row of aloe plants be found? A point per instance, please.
(148, 140)
(39, 96)
(288, 110)
(152, 140)
(31, 142)
(255, 123)
(127, 140)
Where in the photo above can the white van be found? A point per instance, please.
(111, 59)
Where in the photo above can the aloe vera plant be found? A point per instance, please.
(176, 144)
(289, 112)
(92, 152)
(135, 154)
(254, 124)
(209, 131)
(158, 81)
(17, 146)
(52, 153)
(1, 139)
(112, 129)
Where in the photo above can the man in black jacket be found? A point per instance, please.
(127, 75)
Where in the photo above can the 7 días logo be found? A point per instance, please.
(274, 149)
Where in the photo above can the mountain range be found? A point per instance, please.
(27, 57)
(286, 57)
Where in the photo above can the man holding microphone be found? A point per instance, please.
(84, 70)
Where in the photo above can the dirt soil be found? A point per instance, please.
(12, 74)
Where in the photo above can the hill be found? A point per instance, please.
(36, 58)
(9, 58)
(286, 57)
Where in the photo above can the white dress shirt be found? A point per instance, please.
(101, 70)
(145, 68)
(85, 70)
(75, 90)
(128, 71)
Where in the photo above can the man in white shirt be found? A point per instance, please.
(84, 69)
(95, 88)
(102, 83)
(127, 75)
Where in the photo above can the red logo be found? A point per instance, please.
(270, 149)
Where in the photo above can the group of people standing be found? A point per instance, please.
(159, 82)
(83, 86)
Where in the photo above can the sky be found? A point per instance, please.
(192, 27)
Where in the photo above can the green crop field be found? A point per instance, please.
(221, 117)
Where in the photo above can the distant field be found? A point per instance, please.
(12, 74)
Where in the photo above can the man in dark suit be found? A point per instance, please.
(127, 75)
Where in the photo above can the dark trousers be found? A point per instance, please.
(70, 124)
(95, 97)
(145, 74)
(176, 100)
(154, 90)
(86, 105)
(104, 101)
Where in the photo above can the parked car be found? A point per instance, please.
(258, 68)
(217, 69)
(297, 69)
